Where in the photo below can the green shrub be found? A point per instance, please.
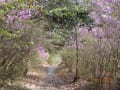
(13, 72)
(69, 57)
(54, 59)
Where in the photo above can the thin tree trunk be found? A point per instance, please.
(77, 56)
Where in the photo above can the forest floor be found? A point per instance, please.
(51, 80)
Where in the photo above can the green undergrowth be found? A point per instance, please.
(54, 59)
(35, 64)
(13, 87)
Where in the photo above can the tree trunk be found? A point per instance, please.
(77, 54)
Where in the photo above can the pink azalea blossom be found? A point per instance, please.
(98, 19)
(25, 14)
(11, 19)
(2, 1)
(98, 32)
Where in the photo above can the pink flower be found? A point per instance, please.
(98, 19)
(2, 1)
(116, 2)
(98, 32)
(11, 19)
(24, 14)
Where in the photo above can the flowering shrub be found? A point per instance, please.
(16, 37)
(104, 14)
(105, 59)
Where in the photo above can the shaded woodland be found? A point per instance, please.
(59, 44)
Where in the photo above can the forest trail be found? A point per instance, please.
(49, 82)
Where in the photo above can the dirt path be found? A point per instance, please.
(52, 77)
(49, 82)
